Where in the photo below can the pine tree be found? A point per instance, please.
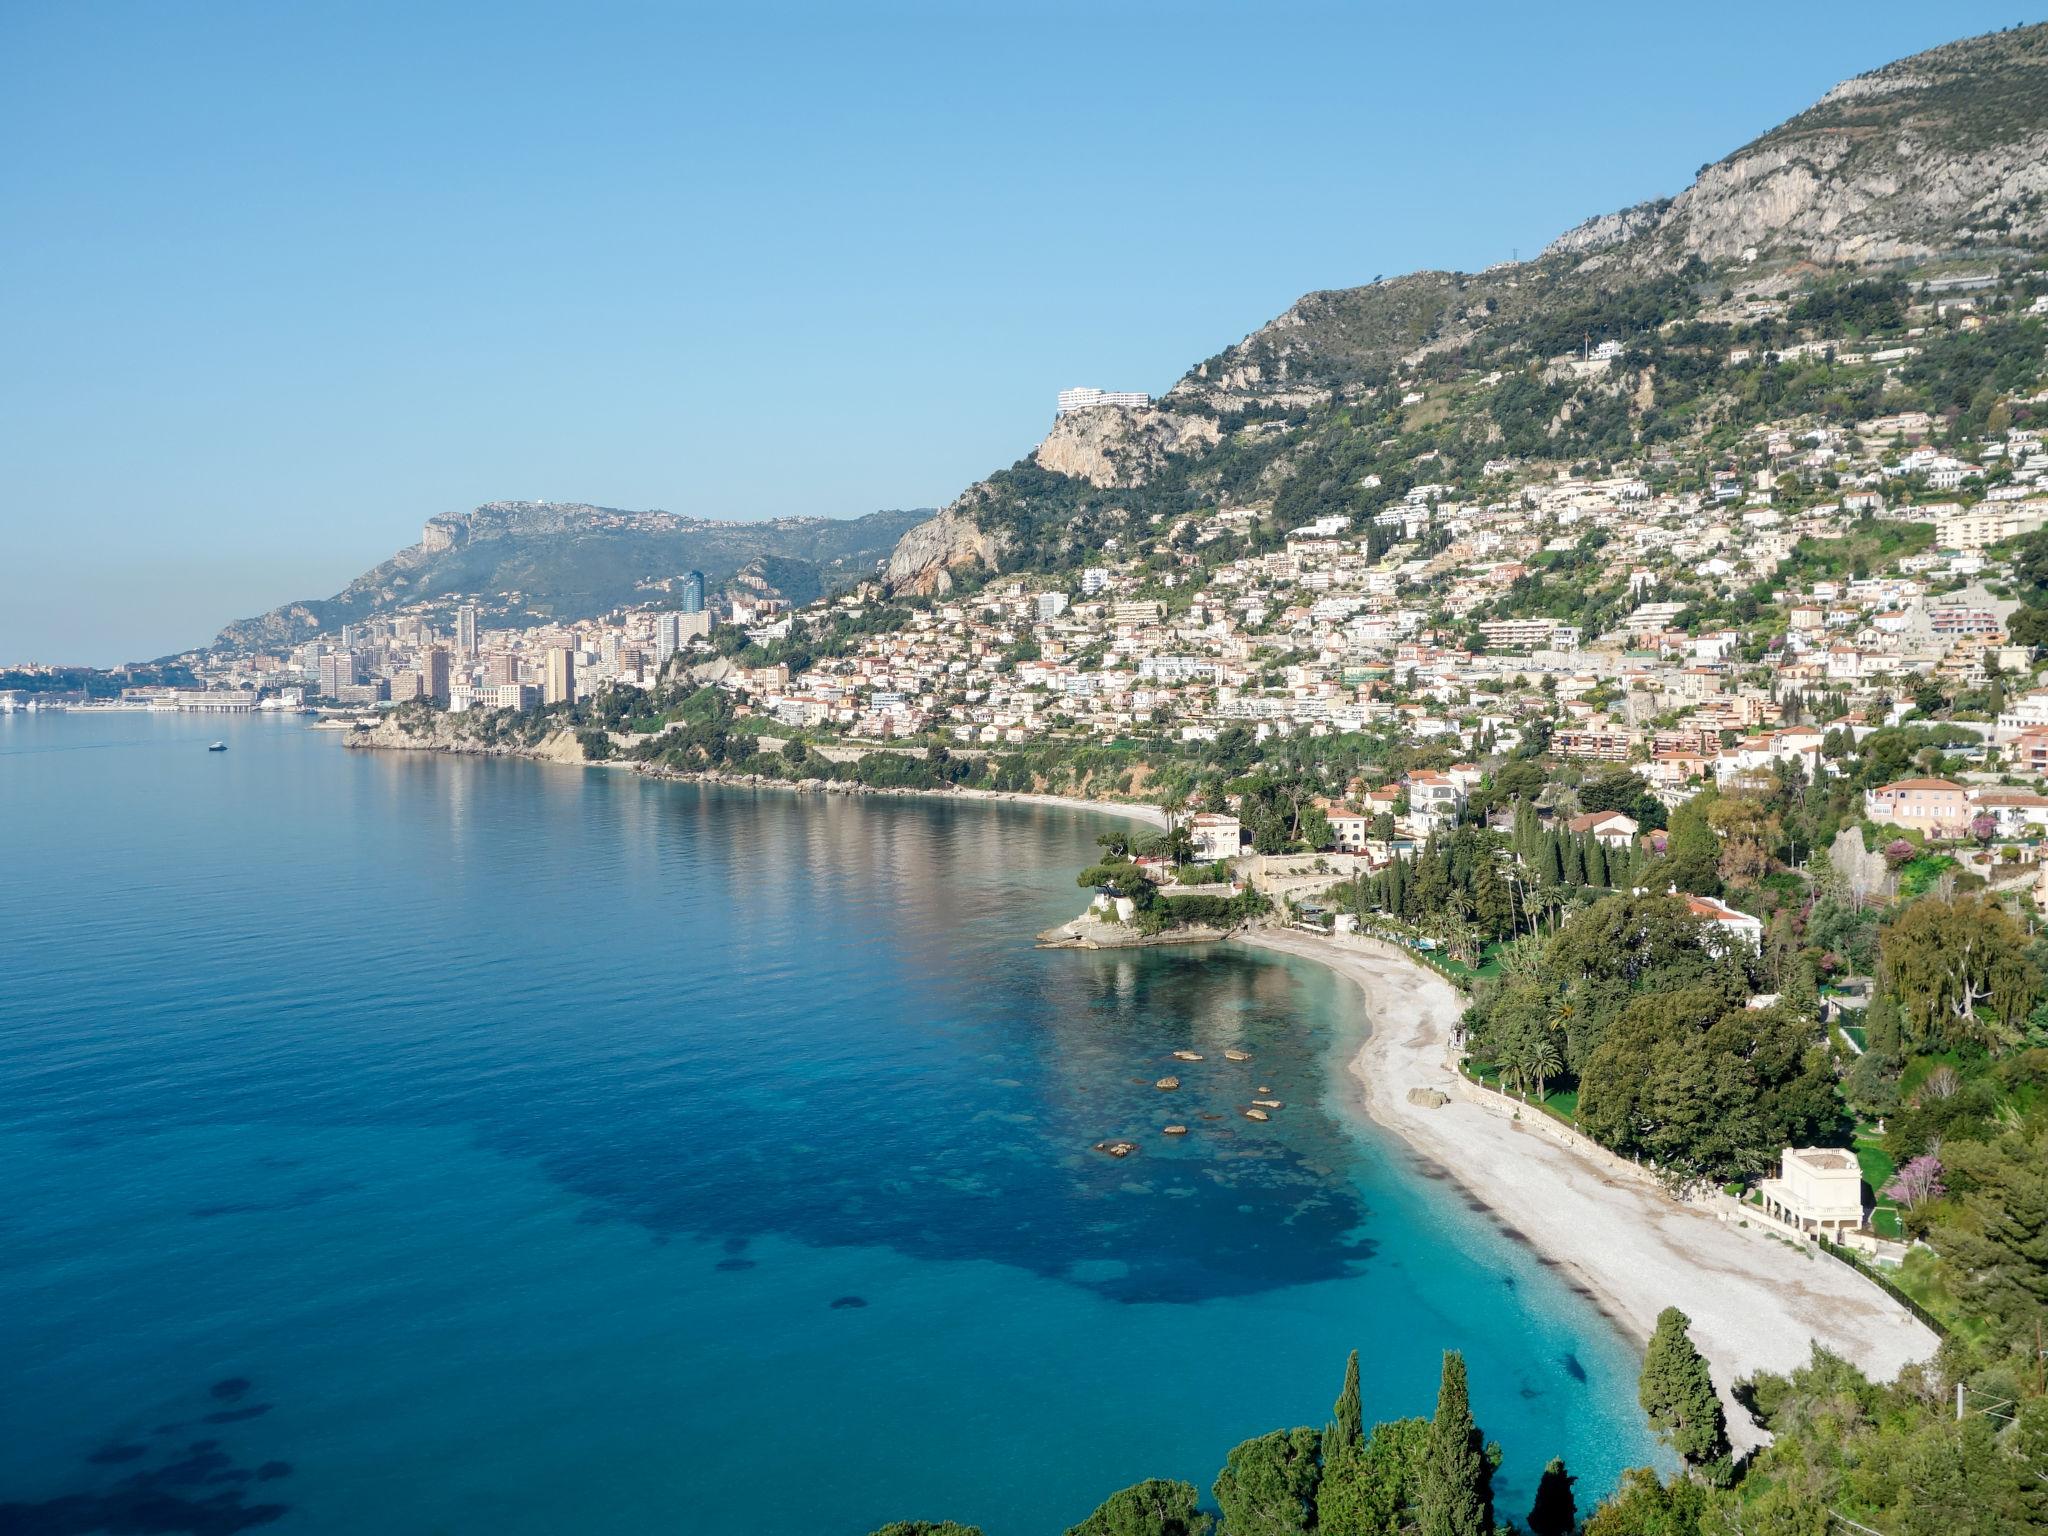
(1457, 1478)
(1342, 1502)
(1555, 1512)
(1677, 1393)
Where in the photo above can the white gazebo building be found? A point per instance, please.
(1818, 1190)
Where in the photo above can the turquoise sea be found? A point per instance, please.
(399, 1144)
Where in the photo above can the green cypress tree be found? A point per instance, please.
(1525, 831)
(1677, 1393)
(1457, 1478)
(1596, 863)
(1342, 1498)
(1574, 861)
(1551, 870)
(1555, 1512)
(1350, 1415)
(1492, 904)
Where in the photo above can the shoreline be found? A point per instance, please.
(1756, 1301)
(546, 752)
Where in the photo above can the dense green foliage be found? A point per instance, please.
(1678, 1398)
(1154, 1507)
(1268, 1486)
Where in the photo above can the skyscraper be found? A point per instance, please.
(560, 687)
(668, 637)
(465, 630)
(693, 592)
(434, 674)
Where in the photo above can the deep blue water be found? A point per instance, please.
(399, 1144)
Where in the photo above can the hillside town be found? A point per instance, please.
(1767, 607)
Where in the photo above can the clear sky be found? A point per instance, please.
(280, 281)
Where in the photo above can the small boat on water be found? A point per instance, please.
(218, 746)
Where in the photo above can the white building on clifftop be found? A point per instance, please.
(1081, 399)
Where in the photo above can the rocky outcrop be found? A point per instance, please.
(417, 730)
(926, 557)
(1608, 229)
(1112, 446)
(1836, 196)
(1940, 153)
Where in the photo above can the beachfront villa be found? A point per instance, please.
(1817, 1190)
(1215, 836)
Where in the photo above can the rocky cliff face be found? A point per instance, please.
(1111, 446)
(926, 557)
(1943, 152)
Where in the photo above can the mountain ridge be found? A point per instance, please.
(527, 560)
(1939, 155)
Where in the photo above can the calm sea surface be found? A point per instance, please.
(398, 1144)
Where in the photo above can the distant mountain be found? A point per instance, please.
(523, 561)
(1938, 158)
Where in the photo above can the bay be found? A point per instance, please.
(453, 1145)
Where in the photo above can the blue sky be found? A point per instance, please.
(279, 282)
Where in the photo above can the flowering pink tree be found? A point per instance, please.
(1898, 851)
(1918, 1181)
(1984, 828)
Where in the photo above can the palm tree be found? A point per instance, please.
(1544, 1059)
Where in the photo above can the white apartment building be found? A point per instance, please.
(1083, 398)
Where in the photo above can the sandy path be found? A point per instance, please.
(1755, 1301)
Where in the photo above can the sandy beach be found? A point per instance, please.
(1756, 1302)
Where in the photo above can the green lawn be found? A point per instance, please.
(1562, 1103)
(1487, 969)
(1918, 876)
(1919, 1276)
(1878, 1169)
